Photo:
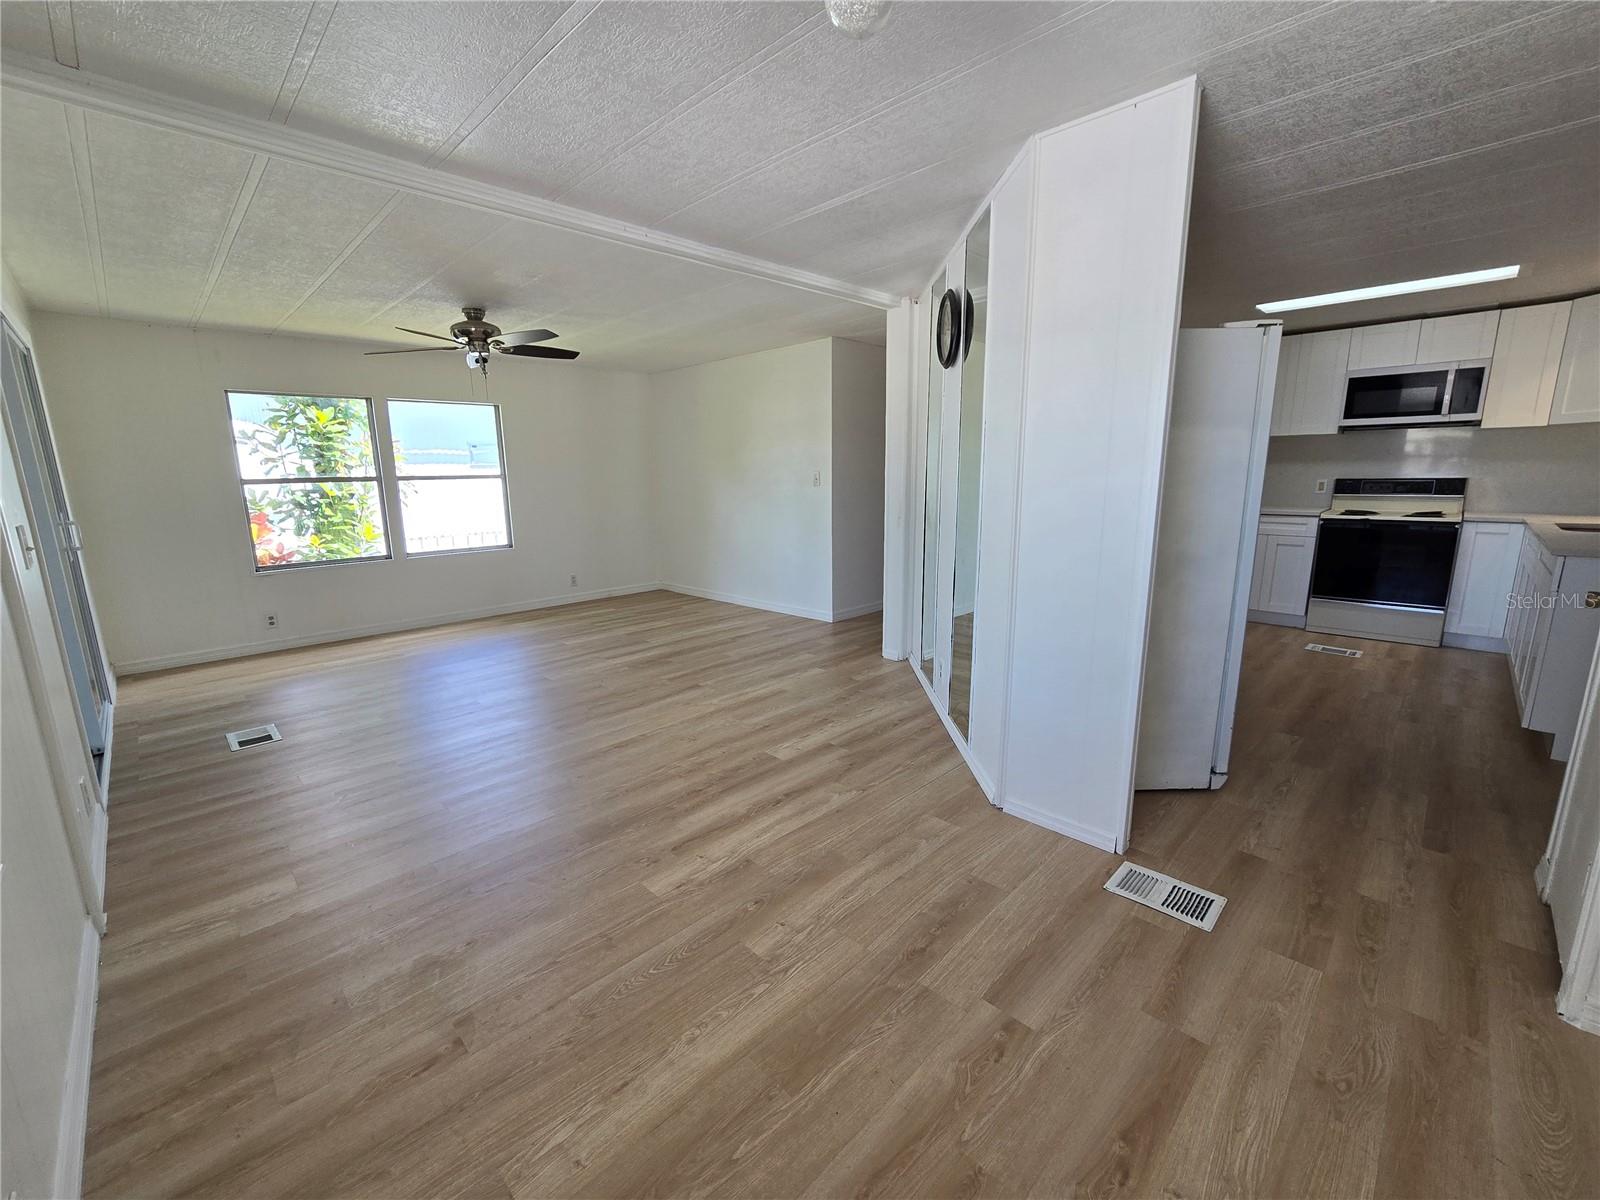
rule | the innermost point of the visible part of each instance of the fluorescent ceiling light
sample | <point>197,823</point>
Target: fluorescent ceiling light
<point>1391,289</point>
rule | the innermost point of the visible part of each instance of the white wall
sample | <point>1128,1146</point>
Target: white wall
<point>1101,333</point>
<point>858,478</point>
<point>743,459</point>
<point>142,429</point>
<point>50,947</point>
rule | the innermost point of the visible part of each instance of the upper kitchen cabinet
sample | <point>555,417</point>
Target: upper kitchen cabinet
<point>1527,359</point>
<point>1310,392</point>
<point>1454,339</point>
<point>1577,390</point>
<point>1391,345</point>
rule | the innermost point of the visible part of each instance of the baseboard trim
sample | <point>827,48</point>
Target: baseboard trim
<point>788,610</point>
<point>74,1117</point>
<point>1541,878</point>
<point>1469,641</point>
<point>857,610</point>
<point>246,649</point>
<point>1272,618</point>
<point>1586,1017</point>
<point>1061,825</point>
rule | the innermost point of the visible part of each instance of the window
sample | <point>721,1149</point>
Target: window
<point>310,480</point>
<point>452,475</point>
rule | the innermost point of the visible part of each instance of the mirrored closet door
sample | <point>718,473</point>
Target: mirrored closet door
<point>951,431</point>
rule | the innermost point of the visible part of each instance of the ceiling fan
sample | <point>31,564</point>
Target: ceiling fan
<point>479,339</point>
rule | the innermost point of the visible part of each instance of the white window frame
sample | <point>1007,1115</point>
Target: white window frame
<point>246,484</point>
<point>400,478</point>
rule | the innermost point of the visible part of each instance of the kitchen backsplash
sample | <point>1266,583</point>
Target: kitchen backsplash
<point>1539,469</point>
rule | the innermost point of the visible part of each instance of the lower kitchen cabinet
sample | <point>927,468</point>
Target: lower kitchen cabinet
<point>1485,571</point>
<point>1281,580</point>
<point>1550,638</point>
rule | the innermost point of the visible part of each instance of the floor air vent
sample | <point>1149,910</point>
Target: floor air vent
<point>1341,651</point>
<point>260,735</point>
<point>1191,905</point>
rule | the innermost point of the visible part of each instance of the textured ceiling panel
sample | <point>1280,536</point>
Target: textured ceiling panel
<point>415,240</point>
<point>234,54</point>
<point>1333,46</point>
<point>25,26</point>
<point>821,84</point>
<point>404,77</point>
<point>41,224</point>
<point>1464,130</point>
<point>1083,63</point>
<point>1339,144</point>
<point>298,220</point>
<point>1463,65</point>
<point>164,202</point>
<point>625,67</point>
<point>530,275</point>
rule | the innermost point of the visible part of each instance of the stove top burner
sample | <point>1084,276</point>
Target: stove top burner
<point>1432,512</point>
<point>1359,512</point>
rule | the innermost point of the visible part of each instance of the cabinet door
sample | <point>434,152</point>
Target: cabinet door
<point>1450,339</point>
<point>1258,571</point>
<point>1288,574</point>
<point>1392,345</point>
<point>1283,393</point>
<point>1527,357</point>
<point>1577,392</point>
<point>1319,394</point>
<point>1486,568</point>
<point>1541,601</point>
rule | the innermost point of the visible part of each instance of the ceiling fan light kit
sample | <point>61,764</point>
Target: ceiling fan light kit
<point>481,340</point>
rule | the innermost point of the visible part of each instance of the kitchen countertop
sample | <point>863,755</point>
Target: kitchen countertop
<point>1565,542</point>
<point>1568,543</point>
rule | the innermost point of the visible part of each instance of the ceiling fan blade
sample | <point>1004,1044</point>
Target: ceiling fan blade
<point>526,337</point>
<point>538,351</point>
<point>419,333</point>
<point>413,350</point>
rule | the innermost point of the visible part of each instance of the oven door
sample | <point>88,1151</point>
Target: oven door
<point>1384,561</point>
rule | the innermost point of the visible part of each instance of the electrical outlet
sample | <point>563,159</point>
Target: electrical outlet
<point>572,580</point>
<point>272,620</point>
<point>816,479</point>
<point>1322,485</point>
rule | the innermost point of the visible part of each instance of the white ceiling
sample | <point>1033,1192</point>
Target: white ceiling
<point>1340,145</point>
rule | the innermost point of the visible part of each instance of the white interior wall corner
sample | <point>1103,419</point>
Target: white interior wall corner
<point>899,477</point>
<point>1109,236</point>
<point>857,430</point>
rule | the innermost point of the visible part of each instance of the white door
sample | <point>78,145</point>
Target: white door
<point>47,539</point>
<point>1205,552</point>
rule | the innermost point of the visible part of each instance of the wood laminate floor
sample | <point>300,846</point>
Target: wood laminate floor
<point>660,896</point>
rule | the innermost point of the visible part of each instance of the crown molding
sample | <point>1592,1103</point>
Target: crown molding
<point>49,80</point>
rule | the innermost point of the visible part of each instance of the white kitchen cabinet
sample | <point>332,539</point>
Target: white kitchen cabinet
<point>1310,391</point>
<point>1391,345</point>
<point>1453,339</point>
<point>1485,571</point>
<point>1550,636</point>
<point>1283,395</point>
<point>1527,360</point>
<point>1577,390</point>
<point>1281,579</point>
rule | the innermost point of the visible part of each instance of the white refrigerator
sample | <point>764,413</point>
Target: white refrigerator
<point>1223,383</point>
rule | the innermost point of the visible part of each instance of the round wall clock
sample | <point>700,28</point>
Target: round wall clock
<point>947,330</point>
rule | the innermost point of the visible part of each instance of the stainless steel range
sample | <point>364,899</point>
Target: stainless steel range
<point>1385,552</point>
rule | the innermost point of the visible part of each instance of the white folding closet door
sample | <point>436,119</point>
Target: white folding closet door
<point>949,476</point>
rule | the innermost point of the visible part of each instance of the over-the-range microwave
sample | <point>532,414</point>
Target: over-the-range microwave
<point>1426,394</point>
